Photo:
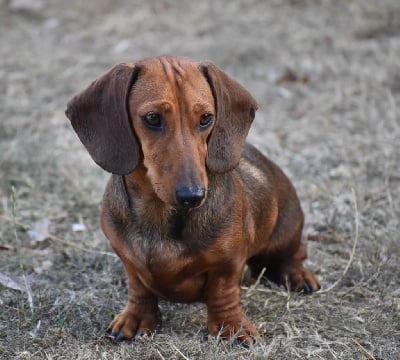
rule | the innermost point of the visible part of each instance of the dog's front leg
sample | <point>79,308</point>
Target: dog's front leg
<point>141,313</point>
<point>225,315</point>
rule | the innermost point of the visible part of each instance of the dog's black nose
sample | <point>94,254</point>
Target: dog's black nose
<point>190,197</point>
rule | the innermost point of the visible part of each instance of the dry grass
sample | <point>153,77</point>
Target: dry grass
<point>333,125</point>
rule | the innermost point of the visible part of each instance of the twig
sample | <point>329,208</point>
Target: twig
<point>353,251</point>
<point>179,352</point>
<point>57,239</point>
<point>14,221</point>
<point>158,352</point>
<point>254,286</point>
<point>70,244</point>
<point>364,350</point>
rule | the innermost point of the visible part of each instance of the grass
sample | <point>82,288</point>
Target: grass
<point>335,133</point>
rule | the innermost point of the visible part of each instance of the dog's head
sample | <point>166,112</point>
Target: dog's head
<point>178,118</point>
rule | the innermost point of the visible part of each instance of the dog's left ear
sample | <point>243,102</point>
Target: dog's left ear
<point>235,110</point>
<point>100,117</point>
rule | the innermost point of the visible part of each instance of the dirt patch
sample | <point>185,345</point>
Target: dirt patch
<point>333,125</point>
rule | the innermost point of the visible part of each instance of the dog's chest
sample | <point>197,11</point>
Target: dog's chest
<point>176,225</point>
<point>169,257</point>
<point>170,272</point>
<point>179,235</point>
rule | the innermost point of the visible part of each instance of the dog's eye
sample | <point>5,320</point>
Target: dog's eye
<point>152,120</point>
<point>206,120</point>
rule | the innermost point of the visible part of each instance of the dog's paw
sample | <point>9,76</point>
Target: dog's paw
<point>239,330</point>
<point>300,279</point>
<point>128,325</point>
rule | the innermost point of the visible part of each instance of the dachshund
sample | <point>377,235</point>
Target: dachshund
<point>189,202</point>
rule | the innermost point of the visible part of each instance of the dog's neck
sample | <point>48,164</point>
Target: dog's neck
<point>156,221</point>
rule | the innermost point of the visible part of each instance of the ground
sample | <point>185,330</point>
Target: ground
<point>326,75</point>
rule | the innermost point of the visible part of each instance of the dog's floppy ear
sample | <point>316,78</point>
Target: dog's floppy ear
<point>100,117</point>
<point>235,109</point>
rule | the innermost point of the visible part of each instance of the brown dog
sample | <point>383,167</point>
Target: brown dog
<point>189,204</point>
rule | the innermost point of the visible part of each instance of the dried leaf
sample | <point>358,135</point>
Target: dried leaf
<point>7,247</point>
<point>290,76</point>
<point>46,265</point>
<point>40,231</point>
<point>19,283</point>
<point>78,227</point>
<point>11,282</point>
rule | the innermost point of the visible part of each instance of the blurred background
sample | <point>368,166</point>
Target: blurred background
<point>326,75</point>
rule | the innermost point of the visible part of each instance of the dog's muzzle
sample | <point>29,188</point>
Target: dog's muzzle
<point>190,197</point>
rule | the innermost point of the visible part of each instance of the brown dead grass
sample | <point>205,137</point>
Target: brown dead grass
<point>334,132</point>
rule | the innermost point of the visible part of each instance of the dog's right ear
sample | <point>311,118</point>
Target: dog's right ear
<point>235,109</point>
<point>100,117</point>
